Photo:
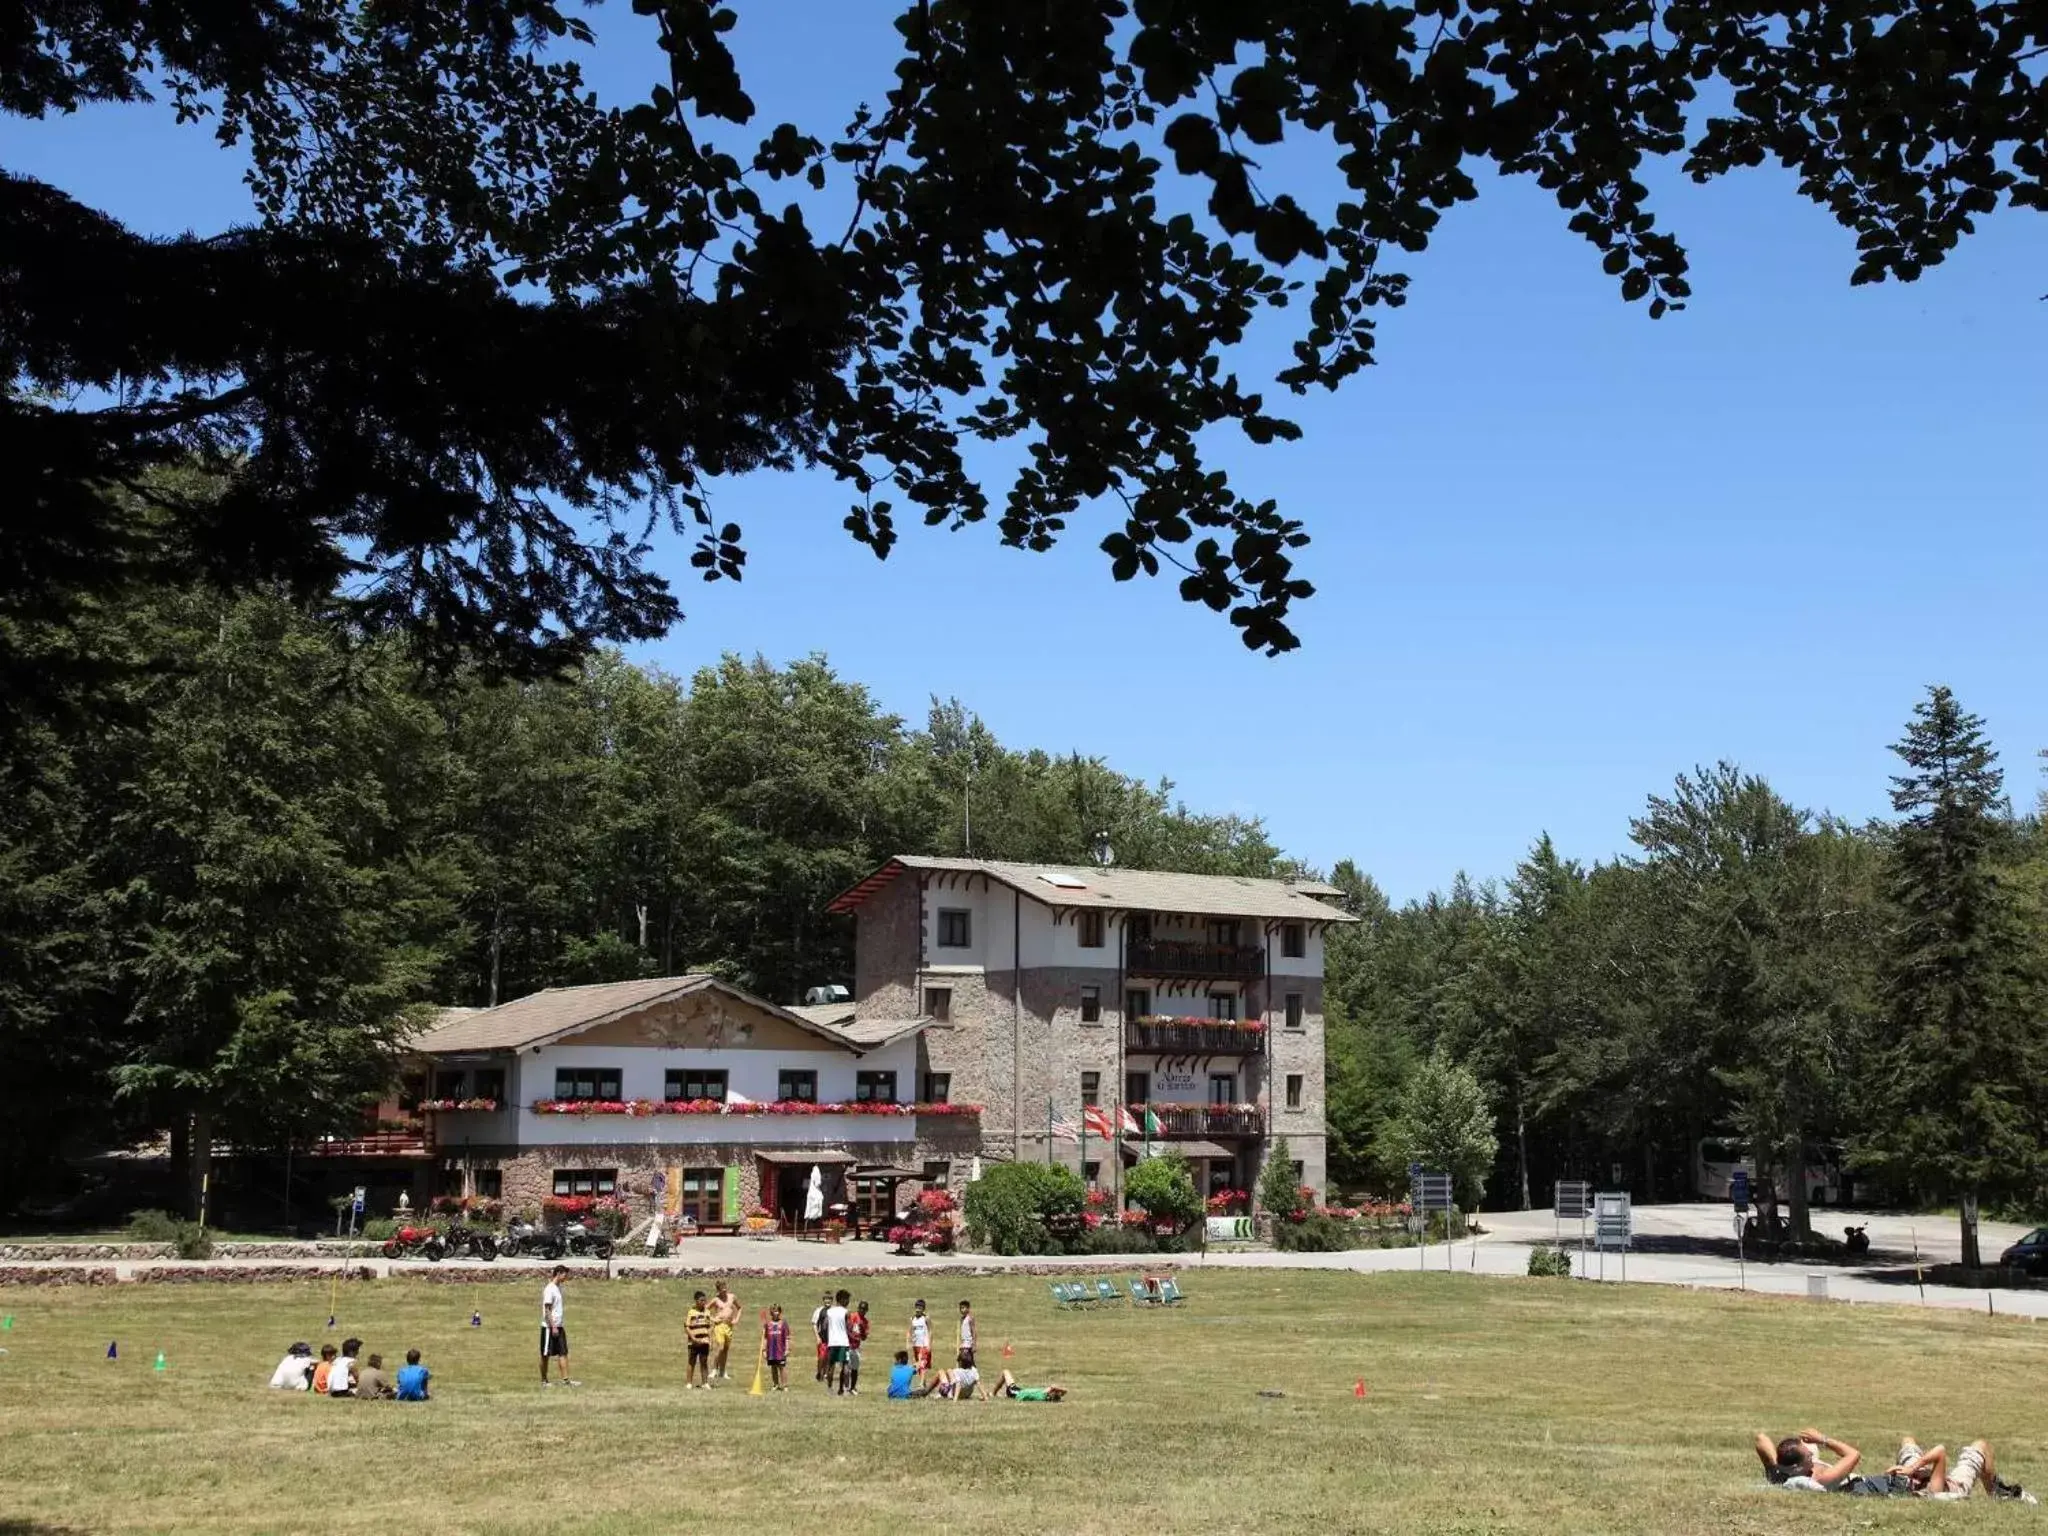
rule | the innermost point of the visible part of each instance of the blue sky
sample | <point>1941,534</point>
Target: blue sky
<point>1562,553</point>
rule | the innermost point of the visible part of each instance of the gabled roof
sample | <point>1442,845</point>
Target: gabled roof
<point>542,1017</point>
<point>866,1034</point>
<point>1123,890</point>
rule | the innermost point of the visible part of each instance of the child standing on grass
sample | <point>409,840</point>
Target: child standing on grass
<point>697,1329</point>
<point>775,1346</point>
<point>967,1335</point>
<point>920,1341</point>
<point>856,1335</point>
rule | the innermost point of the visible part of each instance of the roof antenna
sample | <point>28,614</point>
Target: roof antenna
<point>1104,854</point>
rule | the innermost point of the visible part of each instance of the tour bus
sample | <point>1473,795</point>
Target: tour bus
<point>1715,1159</point>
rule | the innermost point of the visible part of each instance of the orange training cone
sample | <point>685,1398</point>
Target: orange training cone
<point>1008,1353</point>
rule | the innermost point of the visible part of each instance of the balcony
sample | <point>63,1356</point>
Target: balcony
<point>1194,1037</point>
<point>1178,957</point>
<point>1187,1120</point>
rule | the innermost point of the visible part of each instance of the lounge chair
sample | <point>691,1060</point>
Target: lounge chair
<point>1107,1293</point>
<point>1063,1296</point>
<point>1140,1295</point>
<point>1169,1293</point>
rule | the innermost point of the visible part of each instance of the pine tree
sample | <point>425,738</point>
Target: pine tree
<point>1964,1056</point>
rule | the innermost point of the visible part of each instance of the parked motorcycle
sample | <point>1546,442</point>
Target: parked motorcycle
<point>463,1240</point>
<point>526,1239</point>
<point>587,1241</point>
<point>1857,1240</point>
<point>414,1243</point>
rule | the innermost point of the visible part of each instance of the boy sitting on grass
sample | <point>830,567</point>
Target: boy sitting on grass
<point>413,1378</point>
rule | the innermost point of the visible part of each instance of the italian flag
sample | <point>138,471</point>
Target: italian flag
<point>1150,1127</point>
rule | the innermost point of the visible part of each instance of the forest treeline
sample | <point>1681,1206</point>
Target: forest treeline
<point>252,839</point>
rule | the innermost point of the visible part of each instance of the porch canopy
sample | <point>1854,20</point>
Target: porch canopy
<point>1194,1151</point>
<point>803,1157</point>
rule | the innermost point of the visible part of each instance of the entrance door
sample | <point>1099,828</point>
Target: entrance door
<point>1222,1089</point>
<point>791,1184</point>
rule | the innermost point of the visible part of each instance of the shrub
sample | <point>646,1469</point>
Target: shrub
<point>1279,1196</point>
<point>1163,1187</point>
<point>1313,1233</point>
<point>1108,1239</point>
<point>153,1226</point>
<point>193,1241</point>
<point>378,1228</point>
<point>1009,1207</point>
<point>609,1215</point>
<point>1550,1262</point>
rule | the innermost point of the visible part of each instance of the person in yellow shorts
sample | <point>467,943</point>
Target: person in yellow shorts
<point>725,1316</point>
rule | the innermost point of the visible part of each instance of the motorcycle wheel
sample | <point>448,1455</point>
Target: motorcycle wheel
<point>486,1248</point>
<point>392,1250</point>
<point>436,1250</point>
<point>602,1248</point>
<point>553,1250</point>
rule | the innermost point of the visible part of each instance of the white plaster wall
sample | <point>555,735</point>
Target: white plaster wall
<point>751,1073</point>
<point>1193,1084</point>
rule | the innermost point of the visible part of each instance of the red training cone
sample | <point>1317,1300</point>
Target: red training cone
<point>1008,1353</point>
<point>1359,1390</point>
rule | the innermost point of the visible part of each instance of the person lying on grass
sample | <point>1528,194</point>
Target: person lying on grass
<point>1929,1475</point>
<point>1794,1456</point>
<point>1007,1386</point>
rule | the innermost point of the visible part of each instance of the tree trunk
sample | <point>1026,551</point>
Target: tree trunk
<point>1649,1173</point>
<point>497,946</point>
<point>1971,1258</point>
<point>1522,1145</point>
<point>198,1163</point>
<point>1795,1194</point>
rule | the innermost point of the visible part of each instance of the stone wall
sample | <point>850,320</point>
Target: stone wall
<point>1301,1051</point>
<point>888,946</point>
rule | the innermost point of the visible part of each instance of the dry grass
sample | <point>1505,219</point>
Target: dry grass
<point>1493,1406</point>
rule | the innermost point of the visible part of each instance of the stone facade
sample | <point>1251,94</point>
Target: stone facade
<point>886,960</point>
<point>528,1173</point>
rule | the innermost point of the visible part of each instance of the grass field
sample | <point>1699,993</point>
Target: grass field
<point>1492,1406</point>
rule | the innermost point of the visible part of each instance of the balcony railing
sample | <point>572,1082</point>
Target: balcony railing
<point>1193,1037</point>
<point>1208,1119</point>
<point>1178,957</point>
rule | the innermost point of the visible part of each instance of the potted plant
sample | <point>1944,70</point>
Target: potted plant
<point>835,1230</point>
<point>759,1223</point>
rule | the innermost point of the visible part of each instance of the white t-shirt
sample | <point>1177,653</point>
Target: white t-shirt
<point>551,1306</point>
<point>294,1373</point>
<point>342,1378</point>
<point>920,1333</point>
<point>835,1327</point>
<point>967,1331</point>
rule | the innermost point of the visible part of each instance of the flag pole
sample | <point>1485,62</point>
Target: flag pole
<point>1048,1130</point>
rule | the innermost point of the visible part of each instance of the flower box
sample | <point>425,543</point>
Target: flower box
<point>649,1107</point>
<point>480,1106</point>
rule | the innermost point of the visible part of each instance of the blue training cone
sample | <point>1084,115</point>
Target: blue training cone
<point>476,1319</point>
<point>330,1319</point>
<point>113,1350</point>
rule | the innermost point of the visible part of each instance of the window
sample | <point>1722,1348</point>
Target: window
<point>1222,1005</point>
<point>1138,926</point>
<point>1223,932</point>
<point>938,1087</point>
<point>1092,1172</point>
<point>1137,1087</point>
<point>937,1175</point>
<point>693,1083</point>
<point>1137,1003</point>
<point>586,1083</point>
<point>586,1181</point>
<point>872,1200</point>
<point>490,1183</point>
<point>1294,1010</point>
<point>1090,924</point>
<point>1300,1173</point>
<point>1294,1090</point>
<point>796,1087</point>
<point>1293,940</point>
<point>703,1197</point>
<point>938,1002</point>
<point>448,1179</point>
<point>1091,1005</point>
<point>490,1084</point>
<point>956,928</point>
<point>1091,1088</point>
<point>1222,1087</point>
<point>874,1087</point>
<point>451,1085</point>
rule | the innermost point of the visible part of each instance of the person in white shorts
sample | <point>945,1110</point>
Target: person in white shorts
<point>1932,1476</point>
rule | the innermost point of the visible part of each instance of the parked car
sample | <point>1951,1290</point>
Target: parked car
<point>2029,1255</point>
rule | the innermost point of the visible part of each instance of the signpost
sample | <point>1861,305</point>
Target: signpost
<point>1613,1225</point>
<point>1430,1192</point>
<point>355,1209</point>
<point>1572,1201</point>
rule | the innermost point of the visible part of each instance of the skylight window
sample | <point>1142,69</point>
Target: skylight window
<point>1063,881</point>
